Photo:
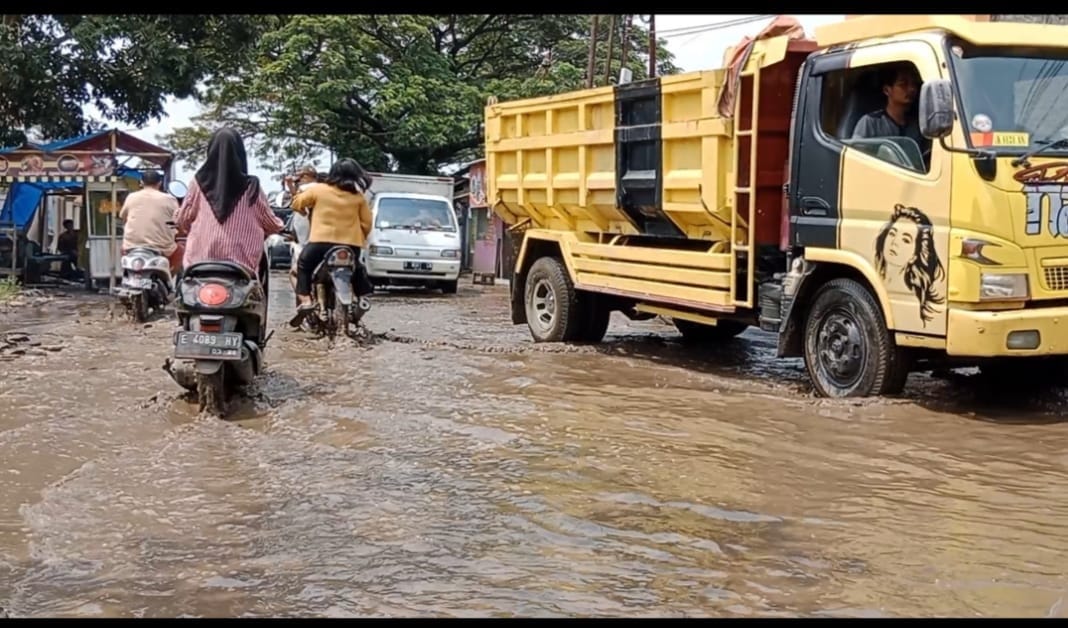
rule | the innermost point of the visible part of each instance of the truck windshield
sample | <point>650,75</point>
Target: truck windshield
<point>414,213</point>
<point>1013,98</point>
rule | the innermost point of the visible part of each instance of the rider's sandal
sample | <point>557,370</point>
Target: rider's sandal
<point>302,313</point>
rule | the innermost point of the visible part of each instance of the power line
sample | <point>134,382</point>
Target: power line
<point>706,28</point>
<point>723,23</point>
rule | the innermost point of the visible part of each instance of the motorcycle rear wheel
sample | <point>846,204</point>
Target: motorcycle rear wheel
<point>211,392</point>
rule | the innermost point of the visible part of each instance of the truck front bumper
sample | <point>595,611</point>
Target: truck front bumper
<point>1034,332</point>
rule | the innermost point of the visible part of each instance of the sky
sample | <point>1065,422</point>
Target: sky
<point>692,50</point>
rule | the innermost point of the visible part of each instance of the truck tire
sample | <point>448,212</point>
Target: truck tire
<point>551,301</point>
<point>699,333</point>
<point>849,352</point>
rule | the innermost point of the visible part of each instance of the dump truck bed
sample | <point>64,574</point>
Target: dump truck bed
<point>652,158</point>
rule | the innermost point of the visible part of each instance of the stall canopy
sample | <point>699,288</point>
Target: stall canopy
<point>34,169</point>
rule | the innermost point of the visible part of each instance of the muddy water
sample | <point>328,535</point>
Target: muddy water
<point>457,470</point>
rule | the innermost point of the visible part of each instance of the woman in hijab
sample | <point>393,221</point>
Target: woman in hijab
<point>340,216</point>
<point>225,212</point>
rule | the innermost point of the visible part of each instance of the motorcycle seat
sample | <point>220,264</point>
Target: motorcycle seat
<point>226,269</point>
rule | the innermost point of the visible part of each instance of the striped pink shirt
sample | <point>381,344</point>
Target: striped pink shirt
<point>240,239</point>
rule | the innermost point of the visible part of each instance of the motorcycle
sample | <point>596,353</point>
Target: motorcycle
<point>336,307</point>
<point>222,314</point>
<point>147,284</point>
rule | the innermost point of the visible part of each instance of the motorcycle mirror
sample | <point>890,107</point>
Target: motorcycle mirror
<point>177,189</point>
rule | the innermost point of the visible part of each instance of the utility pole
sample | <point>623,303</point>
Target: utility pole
<point>625,48</point>
<point>592,56</point>
<point>611,36</point>
<point>652,46</point>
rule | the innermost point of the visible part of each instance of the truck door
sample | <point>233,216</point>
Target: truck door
<point>880,203</point>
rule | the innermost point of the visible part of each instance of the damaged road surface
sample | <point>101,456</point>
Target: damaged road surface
<point>456,469</point>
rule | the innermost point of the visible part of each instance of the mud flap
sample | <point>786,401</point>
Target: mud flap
<point>342,285</point>
<point>208,367</point>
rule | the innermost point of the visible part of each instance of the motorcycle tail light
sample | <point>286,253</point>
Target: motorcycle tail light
<point>341,256</point>
<point>213,294</point>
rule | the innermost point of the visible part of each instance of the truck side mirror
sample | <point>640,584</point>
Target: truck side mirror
<point>936,109</point>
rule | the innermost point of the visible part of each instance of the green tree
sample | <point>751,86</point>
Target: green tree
<point>398,92</point>
<point>126,65</point>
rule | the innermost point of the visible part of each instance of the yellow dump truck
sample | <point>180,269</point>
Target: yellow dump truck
<point>869,257</point>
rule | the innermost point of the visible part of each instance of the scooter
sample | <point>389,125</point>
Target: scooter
<point>147,284</point>
<point>222,313</point>
<point>336,307</point>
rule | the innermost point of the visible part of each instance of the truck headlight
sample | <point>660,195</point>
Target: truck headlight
<point>381,250</point>
<point>450,253</point>
<point>1003,287</point>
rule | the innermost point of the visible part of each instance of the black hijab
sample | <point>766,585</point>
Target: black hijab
<point>224,177</point>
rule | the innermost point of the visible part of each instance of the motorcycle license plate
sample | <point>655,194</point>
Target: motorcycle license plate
<point>137,282</point>
<point>198,345</point>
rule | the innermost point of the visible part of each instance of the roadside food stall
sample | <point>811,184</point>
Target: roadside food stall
<point>98,170</point>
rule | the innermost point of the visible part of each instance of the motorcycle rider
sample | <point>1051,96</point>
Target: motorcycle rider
<point>342,218</point>
<point>298,222</point>
<point>225,212</point>
<point>145,215</point>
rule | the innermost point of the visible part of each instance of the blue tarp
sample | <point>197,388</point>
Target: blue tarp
<point>23,198</point>
<point>54,146</point>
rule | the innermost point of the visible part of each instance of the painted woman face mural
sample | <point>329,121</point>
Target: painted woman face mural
<point>905,257</point>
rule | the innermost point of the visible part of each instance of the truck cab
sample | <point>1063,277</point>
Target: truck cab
<point>868,256</point>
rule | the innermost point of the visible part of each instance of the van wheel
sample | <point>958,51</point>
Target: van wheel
<point>449,287</point>
<point>849,352</point>
<point>699,333</point>
<point>551,302</point>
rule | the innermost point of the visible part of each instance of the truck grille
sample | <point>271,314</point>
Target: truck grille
<point>1056,278</point>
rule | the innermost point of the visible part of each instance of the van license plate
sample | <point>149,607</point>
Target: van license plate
<point>419,266</point>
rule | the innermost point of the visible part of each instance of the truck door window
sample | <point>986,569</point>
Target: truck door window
<point>852,94</point>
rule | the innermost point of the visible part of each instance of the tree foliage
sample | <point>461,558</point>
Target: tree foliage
<point>404,92</point>
<point>125,65</point>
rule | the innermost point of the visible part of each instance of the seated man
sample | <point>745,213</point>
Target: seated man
<point>67,246</point>
<point>146,214</point>
<point>900,85</point>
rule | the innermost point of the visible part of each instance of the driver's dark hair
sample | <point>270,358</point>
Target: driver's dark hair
<point>889,73</point>
<point>349,176</point>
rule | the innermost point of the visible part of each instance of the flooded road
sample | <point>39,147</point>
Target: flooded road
<point>455,469</point>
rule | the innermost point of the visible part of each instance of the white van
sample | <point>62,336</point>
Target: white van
<point>415,239</point>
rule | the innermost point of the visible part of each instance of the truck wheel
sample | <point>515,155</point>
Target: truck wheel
<point>849,352</point>
<point>699,333</point>
<point>551,302</point>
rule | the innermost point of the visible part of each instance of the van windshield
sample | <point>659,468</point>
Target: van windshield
<point>1013,98</point>
<point>414,213</point>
